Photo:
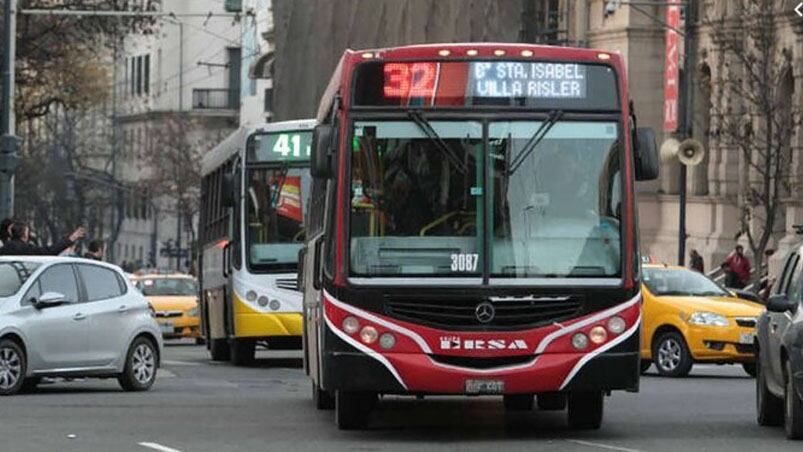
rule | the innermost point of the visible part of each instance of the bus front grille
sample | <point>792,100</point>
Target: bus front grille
<point>461,313</point>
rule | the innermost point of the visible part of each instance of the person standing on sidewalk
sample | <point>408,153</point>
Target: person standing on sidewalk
<point>737,267</point>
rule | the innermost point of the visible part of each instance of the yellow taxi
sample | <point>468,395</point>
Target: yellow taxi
<point>174,298</point>
<point>687,318</point>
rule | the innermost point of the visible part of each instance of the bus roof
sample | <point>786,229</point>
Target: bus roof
<point>235,142</point>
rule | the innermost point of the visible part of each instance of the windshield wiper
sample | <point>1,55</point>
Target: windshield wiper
<point>421,121</point>
<point>535,140</point>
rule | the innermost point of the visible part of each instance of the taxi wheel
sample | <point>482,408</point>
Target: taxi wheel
<point>793,416</point>
<point>585,410</point>
<point>769,409</point>
<point>671,355</point>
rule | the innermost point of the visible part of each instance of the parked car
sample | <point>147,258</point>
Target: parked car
<point>69,317</point>
<point>174,298</point>
<point>688,318</point>
<point>779,386</point>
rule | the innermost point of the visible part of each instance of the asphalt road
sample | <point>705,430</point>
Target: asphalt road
<point>199,406</point>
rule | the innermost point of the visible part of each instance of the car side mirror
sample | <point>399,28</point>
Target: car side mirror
<point>49,300</point>
<point>647,165</point>
<point>321,158</point>
<point>780,303</point>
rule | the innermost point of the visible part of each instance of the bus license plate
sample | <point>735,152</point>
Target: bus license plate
<point>746,338</point>
<point>485,386</point>
<point>167,327</point>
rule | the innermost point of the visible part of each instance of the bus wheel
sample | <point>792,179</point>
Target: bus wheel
<point>518,402</point>
<point>585,410</point>
<point>353,409</point>
<point>552,401</point>
<point>322,398</point>
<point>242,351</point>
<point>219,349</point>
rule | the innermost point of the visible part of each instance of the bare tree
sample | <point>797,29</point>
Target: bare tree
<point>756,117</point>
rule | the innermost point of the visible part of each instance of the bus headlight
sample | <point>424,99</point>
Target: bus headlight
<point>598,335</point>
<point>251,296</point>
<point>616,325</point>
<point>275,304</point>
<point>708,319</point>
<point>579,341</point>
<point>351,325</point>
<point>368,334</point>
<point>263,301</point>
<point>387,341</point>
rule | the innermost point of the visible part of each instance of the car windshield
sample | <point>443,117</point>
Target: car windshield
<point>419,197</point>
<point>677,281</point>
<point>13,276</point>
<point>416,198</point>
<point>168,287</point>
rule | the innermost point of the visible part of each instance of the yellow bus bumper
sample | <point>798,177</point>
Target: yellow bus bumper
<point>249,322</point>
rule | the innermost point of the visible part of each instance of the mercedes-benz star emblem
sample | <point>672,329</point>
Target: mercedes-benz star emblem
<point>485,312</point>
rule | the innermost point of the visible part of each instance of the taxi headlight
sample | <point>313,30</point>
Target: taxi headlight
<point>193,312</point>
<point>708,319</point>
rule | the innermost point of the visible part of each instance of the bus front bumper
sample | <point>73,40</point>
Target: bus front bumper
<point>407,373</point>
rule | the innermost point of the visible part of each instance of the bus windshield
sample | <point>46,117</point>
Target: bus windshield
<point>419,197</point>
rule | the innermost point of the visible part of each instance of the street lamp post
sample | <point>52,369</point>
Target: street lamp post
<point>9,142</point>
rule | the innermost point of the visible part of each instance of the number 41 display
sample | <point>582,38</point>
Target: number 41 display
<point>287,145</point>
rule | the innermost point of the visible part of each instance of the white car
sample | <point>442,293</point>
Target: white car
<point>69,317</point>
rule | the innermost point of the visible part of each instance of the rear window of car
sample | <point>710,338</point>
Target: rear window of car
<point>13,276</point>
<point>167,287</point>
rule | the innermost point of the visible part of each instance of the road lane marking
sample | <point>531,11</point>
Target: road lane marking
<point>179,363</point>
<point>601,446</point>
<point>159,447</point>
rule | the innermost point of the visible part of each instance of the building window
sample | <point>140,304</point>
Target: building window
<point>133,76</point>
<point>139,75</point>
<point>268,100</point>
<point>147,80</point>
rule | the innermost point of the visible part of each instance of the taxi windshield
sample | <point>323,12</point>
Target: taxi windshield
<point>671,281</point>
<point>176,287</point>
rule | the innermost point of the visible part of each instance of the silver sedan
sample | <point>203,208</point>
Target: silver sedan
<point>68,317</point>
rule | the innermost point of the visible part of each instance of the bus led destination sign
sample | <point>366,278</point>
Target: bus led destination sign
<point>532,80</point>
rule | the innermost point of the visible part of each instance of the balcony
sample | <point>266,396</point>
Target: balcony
<point>215,99</point>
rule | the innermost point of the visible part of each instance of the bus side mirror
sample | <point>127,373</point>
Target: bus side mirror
<point>647,165</point>
<point>227,190</point>
<point>780,303</point>
<point>321,158</point>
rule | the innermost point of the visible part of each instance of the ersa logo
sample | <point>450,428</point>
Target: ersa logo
<point>457,343</point>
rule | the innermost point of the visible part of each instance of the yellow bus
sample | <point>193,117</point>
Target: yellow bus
<point>254,191</point>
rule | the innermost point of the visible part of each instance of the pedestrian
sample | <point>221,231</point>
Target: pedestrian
<point>5,229</point>
<point>696,261</point>
<point>19,243</point>
<point>737,268</point>
<point>95,250</point>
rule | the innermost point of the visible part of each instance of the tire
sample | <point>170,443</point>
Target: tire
<point>219,349</point>
<point>323,399</point>
<point>793,406</point>
<point>552,401</point>
<point>13,366</point>
<point>353,409</point>
<point>141,365</point>
<point>645,366</point>
<point>518,402</point>
<point>671,355</point>
<point>750,369</point>
<point>242,352</point>
<point>585,410</point>
<point>769,409</point>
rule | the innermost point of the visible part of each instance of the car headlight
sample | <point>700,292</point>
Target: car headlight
<point>193,312</point>
<point>708,318</point>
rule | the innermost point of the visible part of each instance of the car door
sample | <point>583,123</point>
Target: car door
<point>58,336</point>
<point>779,322</point>
<point>109,313</point>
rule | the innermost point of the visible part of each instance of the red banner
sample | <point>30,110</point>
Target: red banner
<point>671,77</point>
<point>289,204</point>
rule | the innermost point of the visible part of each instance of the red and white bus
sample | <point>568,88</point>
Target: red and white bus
<point>472,229</point>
